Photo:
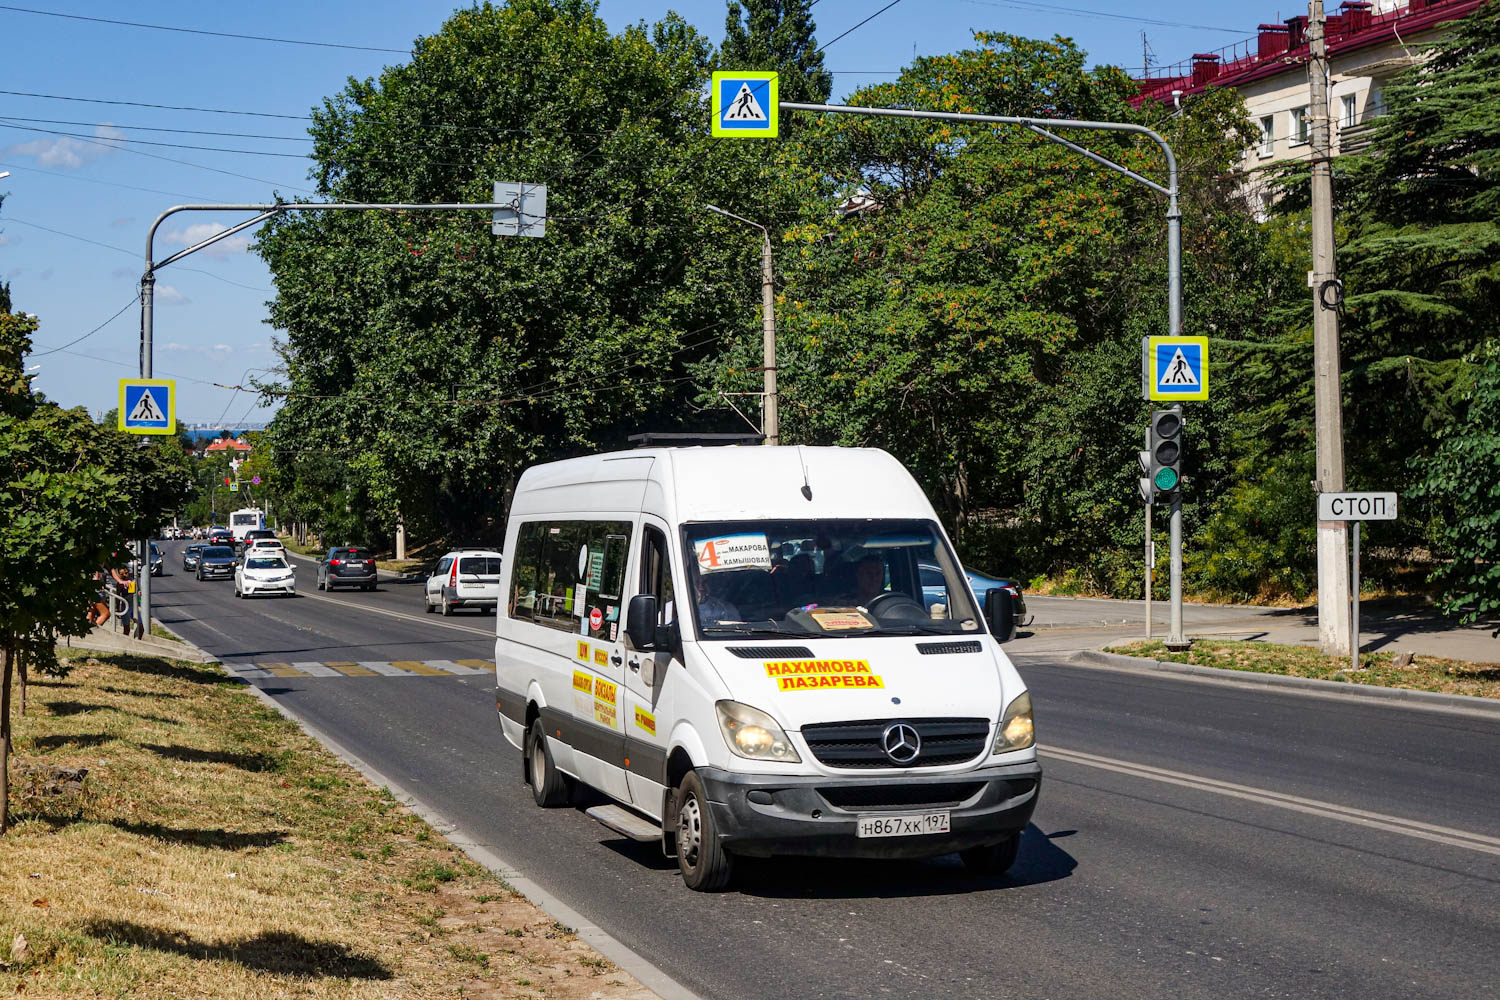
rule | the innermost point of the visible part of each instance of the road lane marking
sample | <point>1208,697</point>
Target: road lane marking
<point>424,619</point>
<point>483,667</point>
<point>282,670</point>
<point>1359,817</point>
<point>383,668</point>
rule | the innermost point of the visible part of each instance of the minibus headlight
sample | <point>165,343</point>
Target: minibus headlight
<point>754,734</point>
<point>1017,729</point>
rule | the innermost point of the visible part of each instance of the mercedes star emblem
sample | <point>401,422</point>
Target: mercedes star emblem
<point>901,743</point>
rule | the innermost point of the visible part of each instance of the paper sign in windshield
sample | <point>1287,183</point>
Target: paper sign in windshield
<point>715,555</point>
<point>814,675</point>
<point>840,619</point>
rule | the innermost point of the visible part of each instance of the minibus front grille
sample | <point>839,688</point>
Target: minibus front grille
<point>859,744</point>
<point>772,652</point>
<point>889,795</point>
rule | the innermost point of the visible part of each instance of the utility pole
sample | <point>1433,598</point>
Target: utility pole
<point>768,341</point>
<point>1333,538</point>
<point>770,412</point>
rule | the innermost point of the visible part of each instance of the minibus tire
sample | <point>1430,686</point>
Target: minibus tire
<point>705,865</point>
<point>549,786</point>
<point>994,859</point>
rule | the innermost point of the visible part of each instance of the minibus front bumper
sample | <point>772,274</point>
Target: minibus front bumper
<point>763,815</point>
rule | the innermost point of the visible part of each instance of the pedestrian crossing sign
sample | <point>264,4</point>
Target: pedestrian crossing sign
<point>148,406</point>
<point>745,105</point>
<point>1179,367</point>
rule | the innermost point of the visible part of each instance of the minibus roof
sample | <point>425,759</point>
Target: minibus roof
<point>727,484</point>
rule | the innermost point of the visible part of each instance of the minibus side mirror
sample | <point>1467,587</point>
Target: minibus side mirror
<point>1000,613</point>
<point>640,622</point>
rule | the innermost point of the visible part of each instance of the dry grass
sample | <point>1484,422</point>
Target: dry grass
<point>1425,673</point>
<point>217,851</point>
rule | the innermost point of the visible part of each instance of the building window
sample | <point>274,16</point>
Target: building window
<point>1346,112</point>
<point>1268,136</point>
<point>1299,126</point>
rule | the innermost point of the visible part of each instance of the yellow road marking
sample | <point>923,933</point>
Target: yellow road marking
<point>477,664</point>
<point>418,667</point>
<point>350,669</point>
<point>281,670</point>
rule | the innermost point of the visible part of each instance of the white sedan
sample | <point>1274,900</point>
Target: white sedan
<point>264,574</point>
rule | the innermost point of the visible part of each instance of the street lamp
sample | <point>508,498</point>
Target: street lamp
<point>771,424</point>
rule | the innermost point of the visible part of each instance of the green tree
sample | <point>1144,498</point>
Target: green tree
<point>430,362</point>
<point>73,492</point>
<point>777,35</point>
<point>1462,479</point>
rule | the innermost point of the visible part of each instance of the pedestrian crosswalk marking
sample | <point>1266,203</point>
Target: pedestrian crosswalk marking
<point>363,668</point>
<point>1178,371</point>
<point>418,667</point>
<point>351,669</point>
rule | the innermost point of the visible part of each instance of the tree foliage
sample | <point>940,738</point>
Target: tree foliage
<point>777,35</point>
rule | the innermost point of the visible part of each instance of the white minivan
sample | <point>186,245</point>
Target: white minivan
<point>734,644</point>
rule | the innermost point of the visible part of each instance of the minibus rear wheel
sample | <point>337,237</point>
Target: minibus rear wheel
<point>705,865</point>
<point>549,786</point>
<point>994,859</point>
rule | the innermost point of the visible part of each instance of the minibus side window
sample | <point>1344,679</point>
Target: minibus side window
<point>656,572</point>
<point>523,577</point>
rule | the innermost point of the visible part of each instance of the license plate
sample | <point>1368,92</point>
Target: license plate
<point>908,825</point>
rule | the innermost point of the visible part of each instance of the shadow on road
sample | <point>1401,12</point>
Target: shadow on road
<point>1040,861</point>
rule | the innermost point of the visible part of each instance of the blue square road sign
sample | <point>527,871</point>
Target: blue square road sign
<point>148,406</point>
<point>745,105</point>
<point>1178,367</point>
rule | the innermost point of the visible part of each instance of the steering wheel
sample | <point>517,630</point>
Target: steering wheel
<point>896,606</point>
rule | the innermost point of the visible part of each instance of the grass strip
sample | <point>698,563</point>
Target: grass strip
<point>1423,673</point>
<point>214,849</point>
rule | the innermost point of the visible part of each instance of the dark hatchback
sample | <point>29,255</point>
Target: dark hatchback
<point>190,555</point>
<point>347,567</point>
<point>216,562</point>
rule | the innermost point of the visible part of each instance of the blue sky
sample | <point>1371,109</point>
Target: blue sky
<point>79,202</point>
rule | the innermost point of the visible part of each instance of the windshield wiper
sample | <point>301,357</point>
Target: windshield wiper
<point>750,630</point>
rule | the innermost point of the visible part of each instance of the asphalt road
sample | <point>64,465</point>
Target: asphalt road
<point>1192,840</point>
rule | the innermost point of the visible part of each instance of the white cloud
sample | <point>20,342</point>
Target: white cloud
<point>225,348</point>
<point>167,295</point>
<point>66,151</point>
<point>4,240</point>
<point>203,230</point>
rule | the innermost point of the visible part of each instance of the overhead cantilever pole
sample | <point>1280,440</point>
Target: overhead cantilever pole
<point>148,285</point>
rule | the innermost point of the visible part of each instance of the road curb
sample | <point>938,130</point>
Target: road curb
<point>600,940</point>
<point>1426,700</point>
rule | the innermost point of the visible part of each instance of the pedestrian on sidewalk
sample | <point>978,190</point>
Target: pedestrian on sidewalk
<point>125,586</point>
<point>98,611</point>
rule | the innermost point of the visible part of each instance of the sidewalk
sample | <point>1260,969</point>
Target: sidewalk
<point>1064,624</point>
<point>112,640</point>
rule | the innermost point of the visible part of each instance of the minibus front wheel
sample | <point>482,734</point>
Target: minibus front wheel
<point>705,865</point>
<point>992,859</point>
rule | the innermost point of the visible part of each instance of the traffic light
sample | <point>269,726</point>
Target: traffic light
<point>1164,447</point>
<point>226,480</point>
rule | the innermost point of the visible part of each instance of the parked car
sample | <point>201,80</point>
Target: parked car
<point>981,584</point>
<point>464,578</point>
<point>216,562</point>
<point>347,566</point>
<point>264,573</point>
<point>190,555</point>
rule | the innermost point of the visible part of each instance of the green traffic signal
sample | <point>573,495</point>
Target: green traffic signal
<point>1166,479</point>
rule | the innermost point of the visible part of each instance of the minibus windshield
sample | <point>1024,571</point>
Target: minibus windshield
<point>825,578</point>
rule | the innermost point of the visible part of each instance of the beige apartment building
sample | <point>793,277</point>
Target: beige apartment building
<point>1368,43</point>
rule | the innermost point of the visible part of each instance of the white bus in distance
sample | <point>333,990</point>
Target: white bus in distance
<point>246,519</point>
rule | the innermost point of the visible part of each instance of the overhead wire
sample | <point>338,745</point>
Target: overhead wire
<point>86,336</point>
<point>200,31</point>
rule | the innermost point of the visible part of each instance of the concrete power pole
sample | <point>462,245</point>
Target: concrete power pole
<point>1333,538</point>
<point>768,337</point>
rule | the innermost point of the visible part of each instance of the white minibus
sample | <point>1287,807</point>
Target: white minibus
<point>736,646</point>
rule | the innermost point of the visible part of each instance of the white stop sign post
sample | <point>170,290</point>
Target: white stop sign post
<point>1356,507</point>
